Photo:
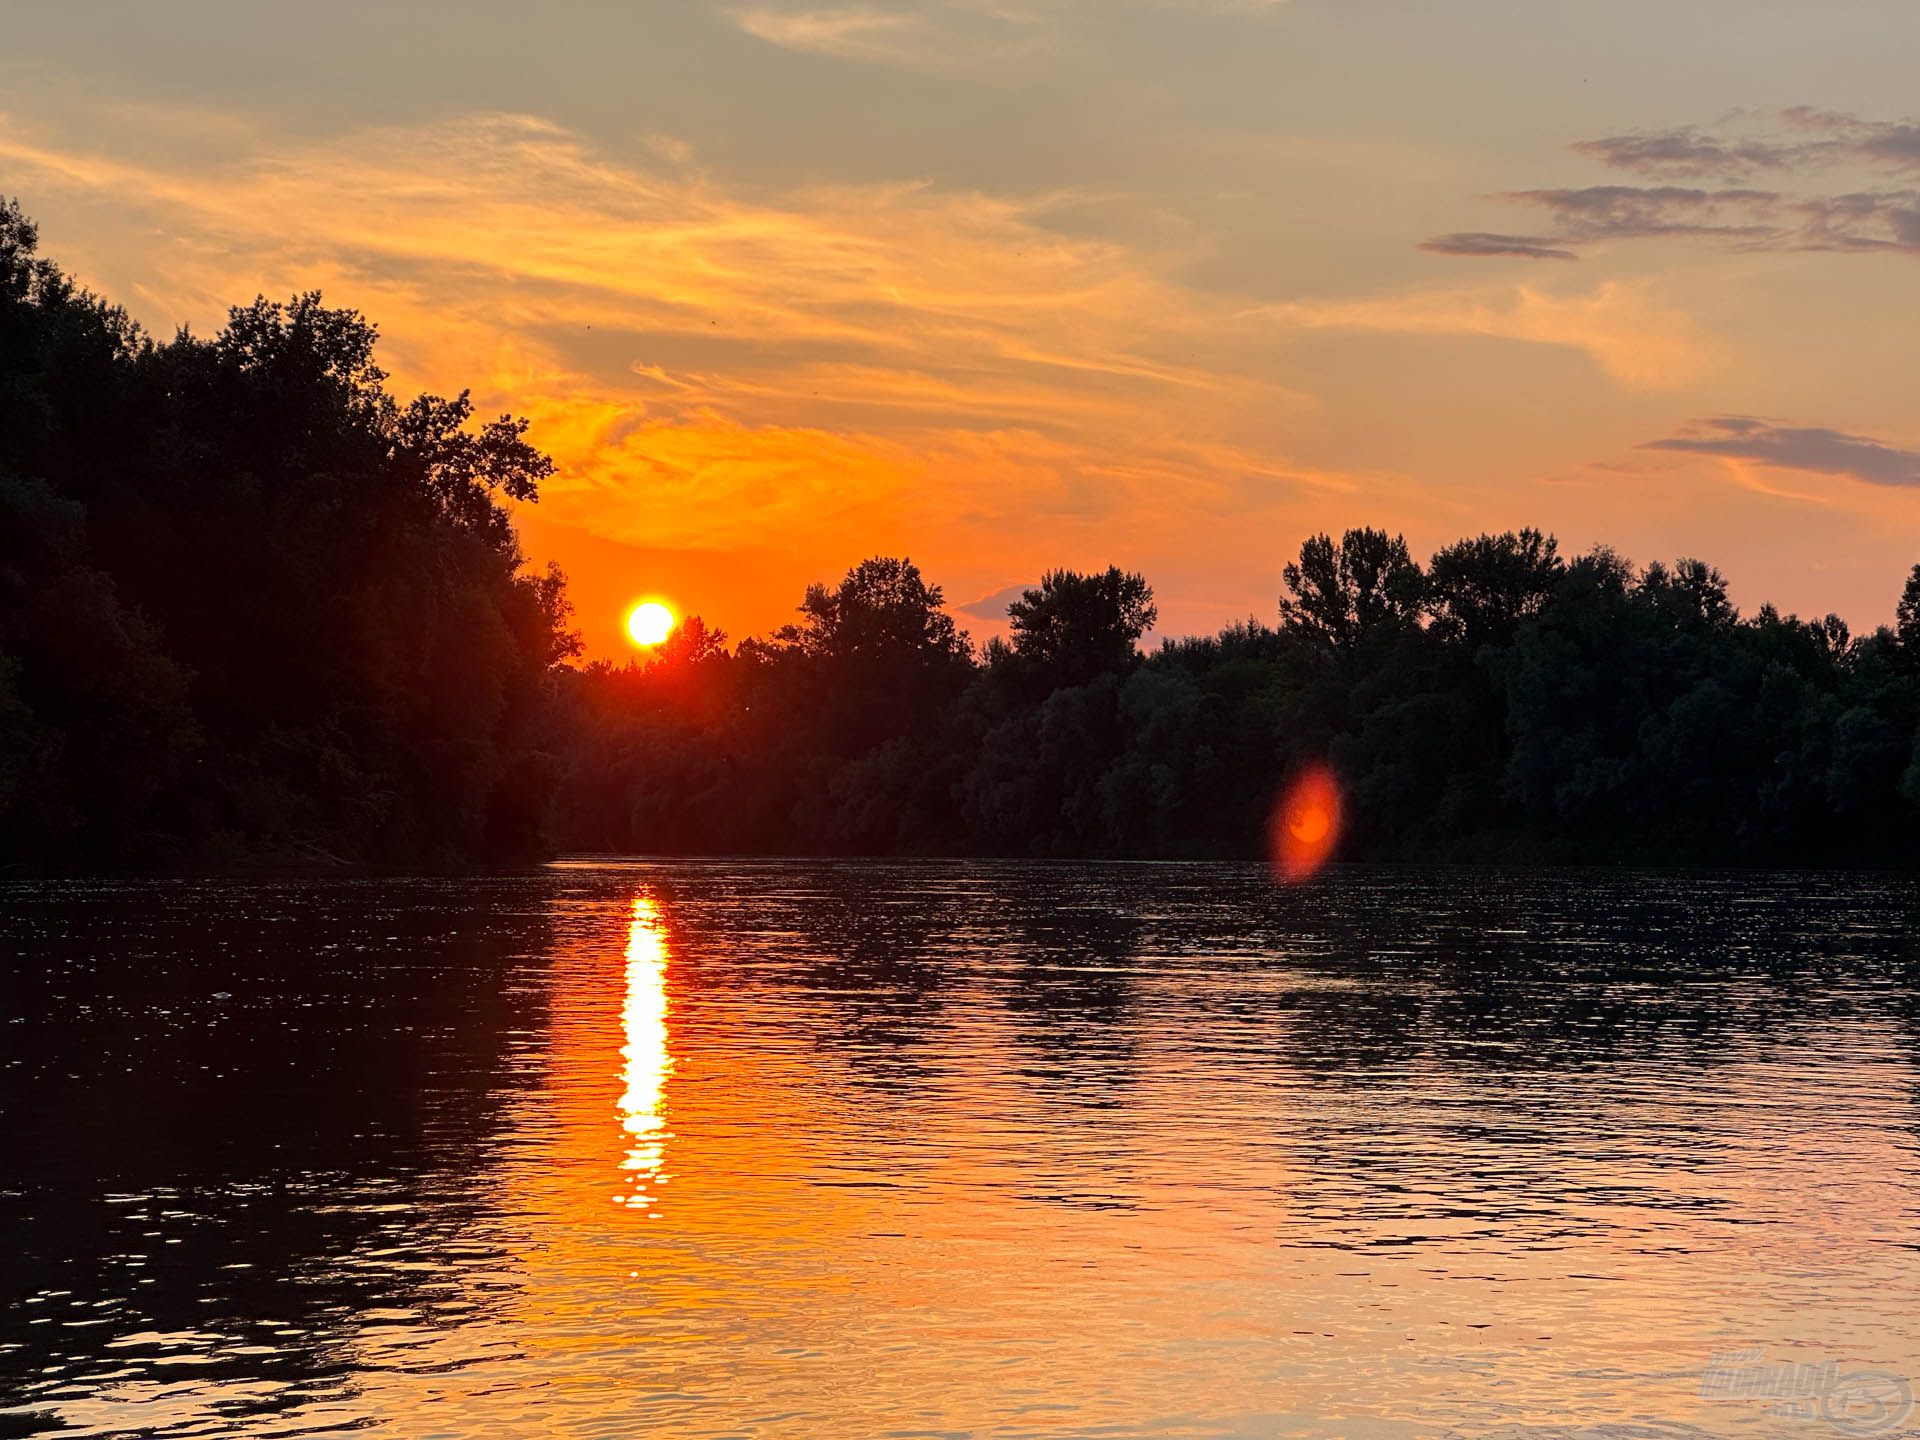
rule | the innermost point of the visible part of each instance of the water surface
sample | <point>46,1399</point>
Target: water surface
<point>821,1150</point>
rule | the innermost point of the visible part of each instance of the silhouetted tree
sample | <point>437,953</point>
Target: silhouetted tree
<point>1479,590</point>
<point>885,656</point>
<point>293,615</point>
<point>1556,710</point>
<point>1353,592</point>
<point>1074,627</point>
<point>883,612</point>
<point>252,604</point>
<point>1907,618</point>
<point>691,643</point>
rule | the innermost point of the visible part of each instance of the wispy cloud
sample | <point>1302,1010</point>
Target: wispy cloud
<point>1484,242</point>
<point>720,369</point>
<point>993,606</point>
<point>1814,449</point>
<point>851,33</point>
<point>1688,152</point>
<point>712,369</point>
<point>1793,145</point>
<point>1618,212</point>
<point>709,367</point>
<point>941,34</point>
<point>1641,343</point>
<point>1796,138</point>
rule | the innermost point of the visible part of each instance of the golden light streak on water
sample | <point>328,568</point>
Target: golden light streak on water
<point>645,1055</point>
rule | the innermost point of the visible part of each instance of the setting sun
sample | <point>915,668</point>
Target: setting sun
<point>651,623</point>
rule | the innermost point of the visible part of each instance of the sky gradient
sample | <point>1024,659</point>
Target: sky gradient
<point>1166,283</point>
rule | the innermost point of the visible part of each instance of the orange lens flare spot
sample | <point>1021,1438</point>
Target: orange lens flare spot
<point>649,624</point>
<point>1306,825</point>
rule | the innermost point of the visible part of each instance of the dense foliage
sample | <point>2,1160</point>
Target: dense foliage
<point>1501,702</point>
<point>250,603</point>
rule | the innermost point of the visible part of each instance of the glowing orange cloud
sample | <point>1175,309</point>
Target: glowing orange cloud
<point>822,374</point>
<point>747,390</point>
<point>1641,343</point>
<point>1306,825</point>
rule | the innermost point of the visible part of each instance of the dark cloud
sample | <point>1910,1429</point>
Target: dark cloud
<point>1814,138</point>
<point>1870,220</point>
<point>1791,143</point>
<point>1624,212</point>
<point>1483,242</point>
<point>1895,145</point>
<point>1891,144</point>
<point>1687,151</point>
<point>1790,447</point>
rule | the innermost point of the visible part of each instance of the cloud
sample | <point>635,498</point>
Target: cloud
<point>817,370</point>
<point>1615,212</point>
<point>1818,450</point>
<point>1867,218</point>
<point>1483,242</point>
<point>1688,151</point>
<point>887,36</point>
<point>943,34</point>
<point>994,606</point>
<point>1889,144</point>
<point>1866,221</point>
<point>712,368</point>
<point>1795,139</point>
<point>1640,343</point>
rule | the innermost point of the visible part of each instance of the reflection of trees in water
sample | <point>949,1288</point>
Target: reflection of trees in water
<point>1069,992</point>
<point>1340,982</point>
<point>887,947</point>
<point>871,946</point>
<point>1072,986</point>
<point>1579,970</point>
<point>911,972</point>
<point>251,1121</point>
<point>1373,968</point>
<point>1505,991</point>
<point>1521,1055</point>
<point>334,1121</point>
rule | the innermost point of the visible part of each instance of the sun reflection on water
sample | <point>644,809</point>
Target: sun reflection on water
<point>647,1061</point>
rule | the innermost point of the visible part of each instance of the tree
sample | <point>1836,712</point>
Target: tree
<point>692,642</point>
<point>1074,626</point>
<point>1479,590</point>
<point>257,546</point>
<point>1350,594</point>
<point>1692,594</point>
<point>878,658</point>
<point>252,603</point>
<point>883,613</point>
<point>1907,619</point>
<point>94,723</point>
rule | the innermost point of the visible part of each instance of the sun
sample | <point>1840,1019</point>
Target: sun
<point>650,623</point>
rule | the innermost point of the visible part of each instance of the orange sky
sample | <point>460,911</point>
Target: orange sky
<point>1004,288</point>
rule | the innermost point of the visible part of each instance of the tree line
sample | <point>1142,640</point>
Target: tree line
<point>253,605</point>
<point>1502,702</point>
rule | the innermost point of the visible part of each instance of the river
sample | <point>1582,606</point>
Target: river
<point>784,1149</point>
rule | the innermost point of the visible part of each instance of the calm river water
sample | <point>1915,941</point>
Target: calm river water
<point>942,1150</point>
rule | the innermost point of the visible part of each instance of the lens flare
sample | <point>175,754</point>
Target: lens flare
<point>1306,825</point>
